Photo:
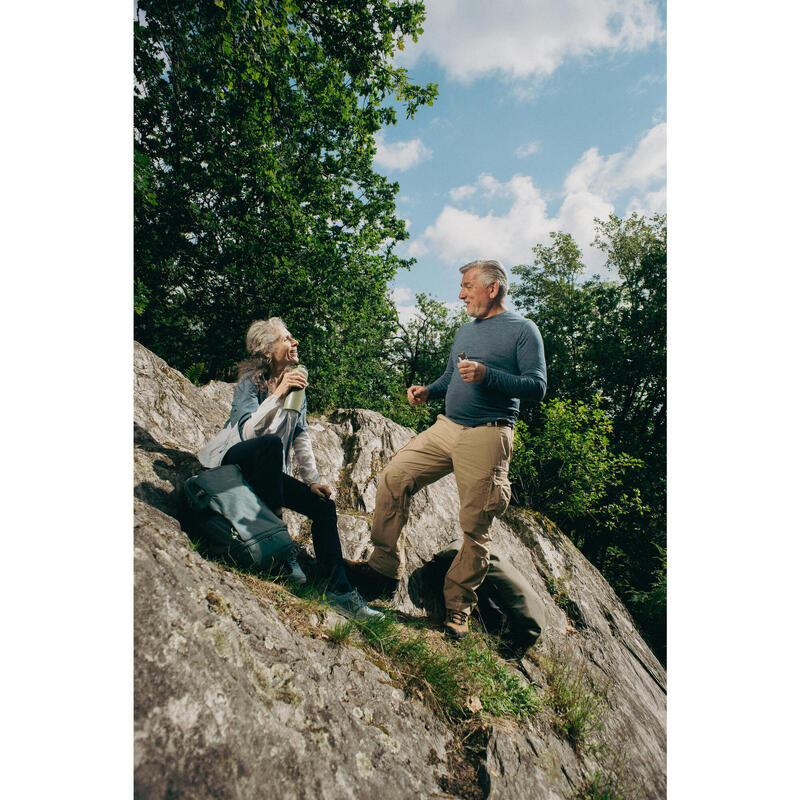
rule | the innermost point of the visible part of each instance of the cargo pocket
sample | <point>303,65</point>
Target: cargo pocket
<point>499,492</point>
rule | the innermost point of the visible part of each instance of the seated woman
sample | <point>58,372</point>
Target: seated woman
<point>257,437</point>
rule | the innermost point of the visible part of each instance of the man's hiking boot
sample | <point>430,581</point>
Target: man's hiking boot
<point>455,625</point>
<point>352,605</point>
<point>369,581</point>
<point>293,570</point>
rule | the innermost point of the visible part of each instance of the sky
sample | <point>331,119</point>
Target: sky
<point>550,113</point>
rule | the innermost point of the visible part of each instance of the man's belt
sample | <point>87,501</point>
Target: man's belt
<point>498,423</point>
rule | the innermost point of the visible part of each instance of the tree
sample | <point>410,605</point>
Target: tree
<point>610,337</point>
<point>253,184</point>
<point>419,352</point>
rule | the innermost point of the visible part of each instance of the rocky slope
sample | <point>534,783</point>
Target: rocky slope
<point>234,699</point>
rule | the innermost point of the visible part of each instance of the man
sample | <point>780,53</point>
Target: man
<point>496,359</point>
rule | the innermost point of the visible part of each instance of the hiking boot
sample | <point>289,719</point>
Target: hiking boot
<point>371,583</point>
<point>293,570</point>
<point>352,605</point>
<point>455,625</point>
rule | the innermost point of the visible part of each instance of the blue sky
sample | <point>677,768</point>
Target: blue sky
<point>550,112</point>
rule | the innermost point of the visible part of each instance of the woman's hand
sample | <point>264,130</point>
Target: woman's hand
<point>321,490</point>
<point>290,380</point>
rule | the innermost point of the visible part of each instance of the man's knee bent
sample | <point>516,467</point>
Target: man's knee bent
<point>395,484</point>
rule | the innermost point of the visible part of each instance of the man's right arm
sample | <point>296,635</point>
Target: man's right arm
<point>417,395</point>
<point>439,387</point>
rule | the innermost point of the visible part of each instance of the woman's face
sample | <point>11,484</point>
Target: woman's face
<point>284,352</point>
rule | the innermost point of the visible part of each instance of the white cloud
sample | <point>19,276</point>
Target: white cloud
<point>590,190</point>
<point>400,155</point>
<point>611,175</point>
<point>462,192</point>
<point>405,302</point>
<point>651,203</point>
<point>402,294</point>
<point>528,149</point>
<point>470,38</point>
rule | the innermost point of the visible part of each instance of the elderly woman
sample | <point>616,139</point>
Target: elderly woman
<point>257,437</point>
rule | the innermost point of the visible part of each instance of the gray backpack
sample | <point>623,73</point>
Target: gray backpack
<point>230,522</point>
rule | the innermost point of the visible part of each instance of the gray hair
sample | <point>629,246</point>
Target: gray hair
<point>262,335</point>
<point>490,271</point>
<point>260,339</point>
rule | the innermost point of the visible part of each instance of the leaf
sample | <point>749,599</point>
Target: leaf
<point>474,704</point>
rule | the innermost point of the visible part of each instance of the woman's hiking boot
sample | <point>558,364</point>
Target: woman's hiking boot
<point>352,605</point>
<point>371,583</point>
<point>293,570</point>
<point>455,625</point>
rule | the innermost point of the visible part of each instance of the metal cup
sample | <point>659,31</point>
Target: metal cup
<point>294,400</point>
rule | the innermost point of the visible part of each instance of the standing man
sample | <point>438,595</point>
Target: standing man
<point>496,359</point>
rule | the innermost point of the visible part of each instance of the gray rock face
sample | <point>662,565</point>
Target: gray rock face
<point>232,700</point>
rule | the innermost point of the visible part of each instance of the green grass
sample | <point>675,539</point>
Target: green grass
<point>601,787</point>
<point>341,632</point>
<point>575,697</point>
<point>448,676</point>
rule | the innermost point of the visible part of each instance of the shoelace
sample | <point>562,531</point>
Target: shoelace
<point>459,617</point>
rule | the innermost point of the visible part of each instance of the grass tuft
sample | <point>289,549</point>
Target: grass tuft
<point>449,676</point>
<point>576,697</point>
<point>601,787</point>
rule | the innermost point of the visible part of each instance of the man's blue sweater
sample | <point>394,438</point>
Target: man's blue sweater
<point>511,348</point>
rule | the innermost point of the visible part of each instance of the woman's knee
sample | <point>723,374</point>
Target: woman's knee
<point>324,511</point>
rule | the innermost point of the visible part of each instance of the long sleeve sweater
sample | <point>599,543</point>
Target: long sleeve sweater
<point>512,350</point>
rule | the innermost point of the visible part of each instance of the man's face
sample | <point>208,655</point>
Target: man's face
<point>478,298</point>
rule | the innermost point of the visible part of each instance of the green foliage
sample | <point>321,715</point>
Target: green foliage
<point>651,605</point>
<point>418,352</point>
<point>565,467</point>
<point>254,193</point>
<point>601,786</point>
<point>607,336</point>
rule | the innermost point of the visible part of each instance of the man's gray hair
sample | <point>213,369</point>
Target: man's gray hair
<point>490,271</point>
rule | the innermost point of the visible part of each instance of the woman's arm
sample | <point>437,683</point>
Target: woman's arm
<point>258,422</point>
<point>304,458</point>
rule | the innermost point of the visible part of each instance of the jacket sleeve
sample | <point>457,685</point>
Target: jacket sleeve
<point>303,452</point>
<point>304,458</point>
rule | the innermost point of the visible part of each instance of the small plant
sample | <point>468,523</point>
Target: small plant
<point>341,632</point>
<point>573,694</point>
<point>601,787</point>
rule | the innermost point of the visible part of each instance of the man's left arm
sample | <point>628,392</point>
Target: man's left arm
<point>531,383</point>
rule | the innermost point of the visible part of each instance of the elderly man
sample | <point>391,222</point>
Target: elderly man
<point>496,359</point>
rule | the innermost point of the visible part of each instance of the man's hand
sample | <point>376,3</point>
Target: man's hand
<point>472,371</point>
<point>417,395</point>
<point>321,490</point>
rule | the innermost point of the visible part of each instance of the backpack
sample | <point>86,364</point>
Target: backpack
<point>230,522</point>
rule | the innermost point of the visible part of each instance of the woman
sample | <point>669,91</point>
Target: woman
<point>257,437</point>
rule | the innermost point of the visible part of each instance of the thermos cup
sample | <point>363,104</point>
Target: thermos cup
<point>294,400</point>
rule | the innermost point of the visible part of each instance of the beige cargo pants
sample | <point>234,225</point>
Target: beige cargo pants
<point>478,457</point>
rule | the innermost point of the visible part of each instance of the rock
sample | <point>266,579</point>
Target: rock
<point>233,701</point>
